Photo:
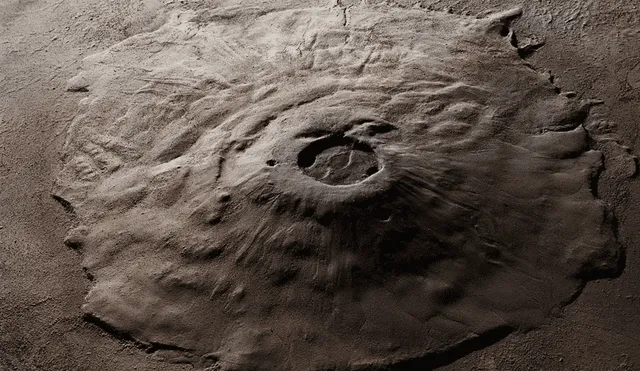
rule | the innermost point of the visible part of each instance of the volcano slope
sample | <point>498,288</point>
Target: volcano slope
<point>329,188</point>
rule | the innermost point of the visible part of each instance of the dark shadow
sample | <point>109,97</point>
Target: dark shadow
<point>445,357</point>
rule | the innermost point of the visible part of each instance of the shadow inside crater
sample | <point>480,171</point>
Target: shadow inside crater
<point>338,160</point>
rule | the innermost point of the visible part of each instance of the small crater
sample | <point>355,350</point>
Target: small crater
<point>224,197</point>
<point>214,218</point>
<point>382,214</point>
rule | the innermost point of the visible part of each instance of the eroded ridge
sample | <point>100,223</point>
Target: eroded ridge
<point>286,189</point>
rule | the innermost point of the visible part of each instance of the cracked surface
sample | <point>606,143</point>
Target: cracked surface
<point>286,189</point>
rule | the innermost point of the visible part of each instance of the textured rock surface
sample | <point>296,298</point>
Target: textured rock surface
<point>323,187</point>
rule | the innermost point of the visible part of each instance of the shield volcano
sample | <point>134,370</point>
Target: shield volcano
<point>329,188</point>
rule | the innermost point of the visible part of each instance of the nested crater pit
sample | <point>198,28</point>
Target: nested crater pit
<point>338,160</point>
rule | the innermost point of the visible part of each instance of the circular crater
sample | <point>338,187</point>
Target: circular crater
<point>338,160</point>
